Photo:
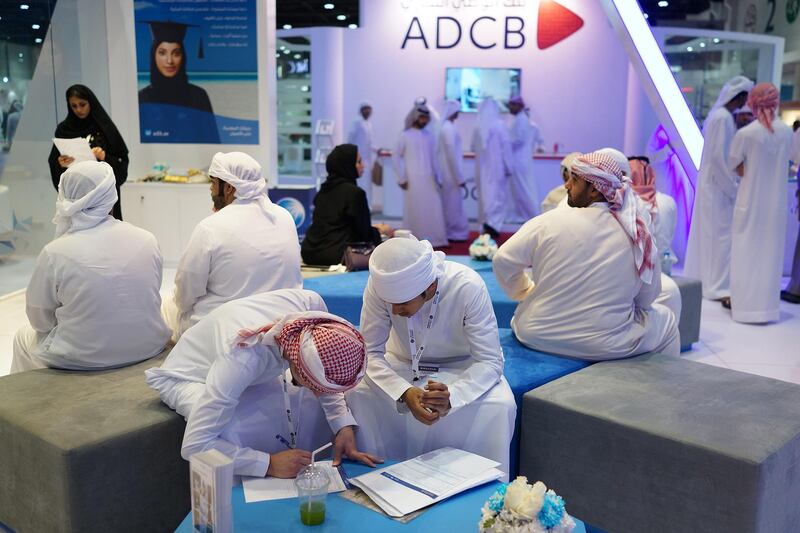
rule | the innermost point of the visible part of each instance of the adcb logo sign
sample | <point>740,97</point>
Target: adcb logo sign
<point>484,31</point>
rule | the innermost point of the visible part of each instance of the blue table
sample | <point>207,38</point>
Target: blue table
<point>459,513</point>
<point>344,293</point>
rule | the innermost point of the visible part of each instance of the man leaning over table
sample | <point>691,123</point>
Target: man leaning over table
<point>435,365</point>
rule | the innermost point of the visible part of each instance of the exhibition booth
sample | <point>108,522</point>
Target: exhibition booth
<point>632,440</point>
<point>288,96</point>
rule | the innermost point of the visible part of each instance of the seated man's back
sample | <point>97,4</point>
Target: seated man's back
<point>248,246</point>
<point>585,297</point>
<point>96,291</point>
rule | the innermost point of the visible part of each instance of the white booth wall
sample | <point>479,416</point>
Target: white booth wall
<point>576,89</point>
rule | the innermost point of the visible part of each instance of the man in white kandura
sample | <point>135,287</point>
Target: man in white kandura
<point>250,379</point>
<point>418,175</point>
<point>708,252</point>
<point>760,154</point>
<point>661,222</point>
<point>435,372</point>
<point>595,272</point>
<point>450,156</point>
<point>525,137</point>
<point>93,299</point>
<point>360,134</point>
<point>249,245</point>
<point>493,166</point>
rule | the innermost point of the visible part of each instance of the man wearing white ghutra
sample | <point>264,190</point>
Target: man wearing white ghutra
<point>435,365</point>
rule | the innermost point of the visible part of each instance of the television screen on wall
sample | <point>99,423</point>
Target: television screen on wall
<point>470,85</point>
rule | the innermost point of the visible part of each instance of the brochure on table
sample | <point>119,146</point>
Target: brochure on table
<point>427,479</point>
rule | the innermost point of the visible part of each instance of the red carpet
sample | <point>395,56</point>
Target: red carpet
<point>462,248</point>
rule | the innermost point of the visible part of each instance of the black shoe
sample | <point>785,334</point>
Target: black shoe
<point>493,233</point>
<point>726,303</point>
<point>790,297</point>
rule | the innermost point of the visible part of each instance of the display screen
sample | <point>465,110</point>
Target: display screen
<point>471,85</point>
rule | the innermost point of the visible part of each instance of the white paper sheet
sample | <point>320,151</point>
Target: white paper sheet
<point>427,479</point>
<point>259,489</point>
<point>77,148</point>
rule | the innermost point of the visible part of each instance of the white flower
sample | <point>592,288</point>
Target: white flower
<point>483,247</point>
<point>523,499</point>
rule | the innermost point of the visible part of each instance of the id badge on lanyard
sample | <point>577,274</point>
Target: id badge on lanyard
<point>417,346</point>
<point>292,441</point>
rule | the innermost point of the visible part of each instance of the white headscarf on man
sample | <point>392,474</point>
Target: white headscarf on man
<point>243,173</point>
<point>402,268</point>
<point>86,193</point>
<point>734,86</point>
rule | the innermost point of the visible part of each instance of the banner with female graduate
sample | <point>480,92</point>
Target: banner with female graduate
<point>197,71</point>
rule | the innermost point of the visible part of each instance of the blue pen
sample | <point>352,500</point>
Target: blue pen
<point>284,441</point>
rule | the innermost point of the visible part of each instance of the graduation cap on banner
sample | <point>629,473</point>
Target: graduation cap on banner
<point>172,32</point>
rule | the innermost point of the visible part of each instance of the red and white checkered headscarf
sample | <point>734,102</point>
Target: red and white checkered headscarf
<point>328,352</point>
<point>605,174</point>
<point>764,100</point>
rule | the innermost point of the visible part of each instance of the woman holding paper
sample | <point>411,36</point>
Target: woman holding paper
<point>87,119</point>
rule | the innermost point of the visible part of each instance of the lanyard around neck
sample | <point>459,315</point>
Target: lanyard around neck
<point>288,406</point>
<point>417,345</point>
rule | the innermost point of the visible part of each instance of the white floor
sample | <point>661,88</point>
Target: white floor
<point>772,350</point>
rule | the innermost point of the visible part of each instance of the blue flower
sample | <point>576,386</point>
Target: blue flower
<point>552,510</point>
<point>497,499</point>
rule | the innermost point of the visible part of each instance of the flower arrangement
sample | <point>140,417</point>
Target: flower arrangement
<point>483,248</point>
<point>518,507</point>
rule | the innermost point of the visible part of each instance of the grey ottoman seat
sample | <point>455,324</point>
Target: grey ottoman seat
<point>660,444</point>
<point>90,451</point>
<point>691,305</point>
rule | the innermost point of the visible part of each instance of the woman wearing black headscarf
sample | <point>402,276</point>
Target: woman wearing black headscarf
<point>87,118</point>
<point>341,214</point>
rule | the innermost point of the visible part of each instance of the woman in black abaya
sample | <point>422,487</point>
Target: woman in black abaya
<point>87,118</point>
<point>341,213</point>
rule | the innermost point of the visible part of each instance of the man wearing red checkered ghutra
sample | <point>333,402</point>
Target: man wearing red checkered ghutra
<point>262,379</point>
<point>587,275</point>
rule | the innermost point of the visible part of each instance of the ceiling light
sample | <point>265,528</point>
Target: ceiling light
<point>20,54</point>
<point>287,26</point>
<point>304,88</point>
<point>297,56</point>
<point>352,26</point>
<point>38,39</point>
<point>24,6</point>
<point>341,17</point>
<point>5,79</point>
<point>663,3</point>
<point>328,6</point>
<point>277,54</point>
<point>286,52</point>
<point>646,16</point>
<point>716,40</point>
<point>35,26</point>
<point>689,49</point>
<point>702,45</point>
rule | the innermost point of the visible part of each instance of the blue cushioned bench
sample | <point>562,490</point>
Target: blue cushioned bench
<point>525,370</point>
<point>343,293</point>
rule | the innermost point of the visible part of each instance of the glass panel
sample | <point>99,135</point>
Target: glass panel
<point>24,27</point>
<point>702,65</point>
<point>293,62</point>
